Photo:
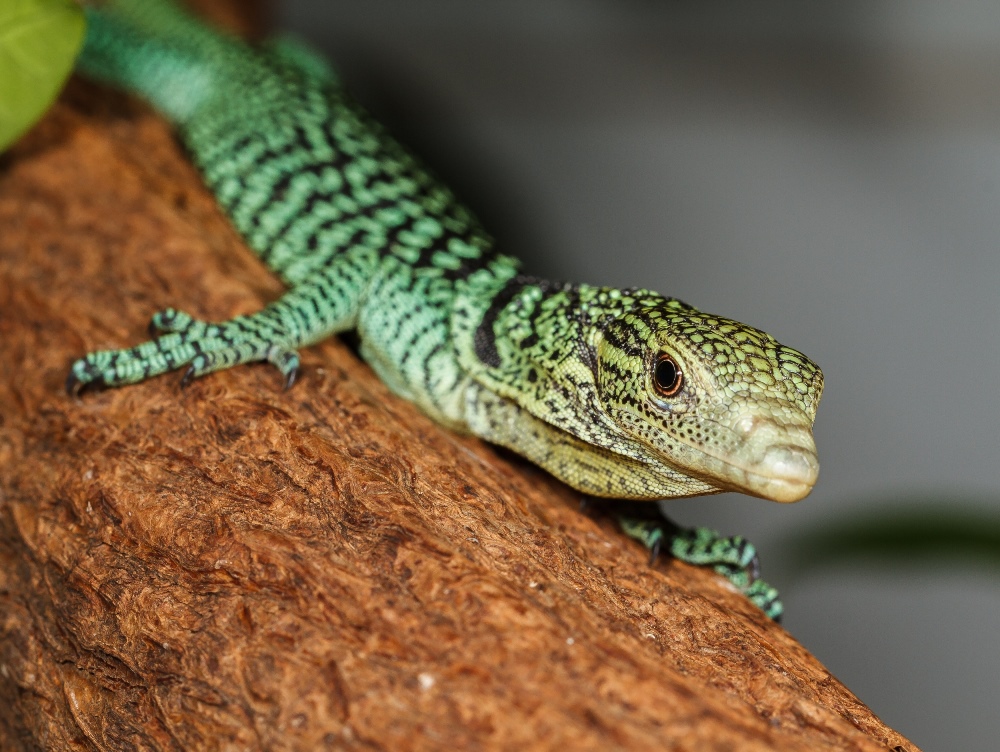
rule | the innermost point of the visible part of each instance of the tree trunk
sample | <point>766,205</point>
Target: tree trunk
<point>231,566</point>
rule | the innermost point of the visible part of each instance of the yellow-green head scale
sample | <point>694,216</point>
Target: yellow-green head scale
<point>713,399</point>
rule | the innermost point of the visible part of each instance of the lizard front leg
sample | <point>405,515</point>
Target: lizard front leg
<point>305,314</point>
<point>735,558</point>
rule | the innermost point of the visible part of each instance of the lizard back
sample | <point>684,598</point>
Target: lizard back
<point>312,182</point>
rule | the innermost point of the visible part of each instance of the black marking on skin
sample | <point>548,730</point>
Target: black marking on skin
<point>484,340</point>
<point>425,363</point>
<point>279,189</point>
<point>532,320</point>
<point>630,346</point>
<point>415,337</point>
<point>468,266</point>
<point>586,353</point>
<point>294,218</point>
<point>265,159</point>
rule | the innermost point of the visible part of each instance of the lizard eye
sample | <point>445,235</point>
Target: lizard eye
<point>667,376</point>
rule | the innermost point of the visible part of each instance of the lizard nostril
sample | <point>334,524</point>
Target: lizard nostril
<point>745,425</point>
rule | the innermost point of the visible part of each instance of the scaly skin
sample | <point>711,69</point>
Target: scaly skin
<point>367,239</point>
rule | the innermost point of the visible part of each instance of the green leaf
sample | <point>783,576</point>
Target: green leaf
<point>39,40</point>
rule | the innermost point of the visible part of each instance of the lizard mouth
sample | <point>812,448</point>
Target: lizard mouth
<point>772,460</point>
<point>786,473</point>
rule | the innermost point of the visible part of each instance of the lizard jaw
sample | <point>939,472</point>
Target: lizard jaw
<point>786,473</point>
<point>768,458</point>
<point>776,461</point>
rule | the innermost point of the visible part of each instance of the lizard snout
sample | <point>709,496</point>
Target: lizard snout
<point>786,473</point>
<point>777,460</point>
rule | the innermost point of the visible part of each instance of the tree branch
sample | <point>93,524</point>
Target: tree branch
<point>231,566</point>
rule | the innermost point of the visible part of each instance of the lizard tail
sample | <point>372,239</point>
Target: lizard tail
<point>157,50</point>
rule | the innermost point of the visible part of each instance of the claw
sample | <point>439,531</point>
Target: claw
<point>654,551</point>
<point>73,385</point>
<point>290,378</point>
<point>76,385</point>
<point>188,376</point>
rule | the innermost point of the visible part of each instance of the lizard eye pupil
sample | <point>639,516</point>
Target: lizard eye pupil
<point>667,376</point>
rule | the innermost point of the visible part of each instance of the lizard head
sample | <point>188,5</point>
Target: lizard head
<point>713,399</point>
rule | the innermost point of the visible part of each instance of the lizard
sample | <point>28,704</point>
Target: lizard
<point>622,394</point>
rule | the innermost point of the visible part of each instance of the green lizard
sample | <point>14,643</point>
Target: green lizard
<point>619,393</point>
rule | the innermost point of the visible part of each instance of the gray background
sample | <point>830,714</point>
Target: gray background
<point>827,172</point>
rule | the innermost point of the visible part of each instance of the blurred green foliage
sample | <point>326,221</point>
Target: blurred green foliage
<point>912,531</point>
<point>39,40</point>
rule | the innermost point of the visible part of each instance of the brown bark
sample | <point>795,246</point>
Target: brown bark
<point>232,566</point>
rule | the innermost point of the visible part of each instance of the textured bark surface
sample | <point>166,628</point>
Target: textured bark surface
<point>231,566</point>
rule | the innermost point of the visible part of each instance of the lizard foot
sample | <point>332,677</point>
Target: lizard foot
<point>735,558</point>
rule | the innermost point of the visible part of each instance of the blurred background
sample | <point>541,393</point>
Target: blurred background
<point>829,172</point>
